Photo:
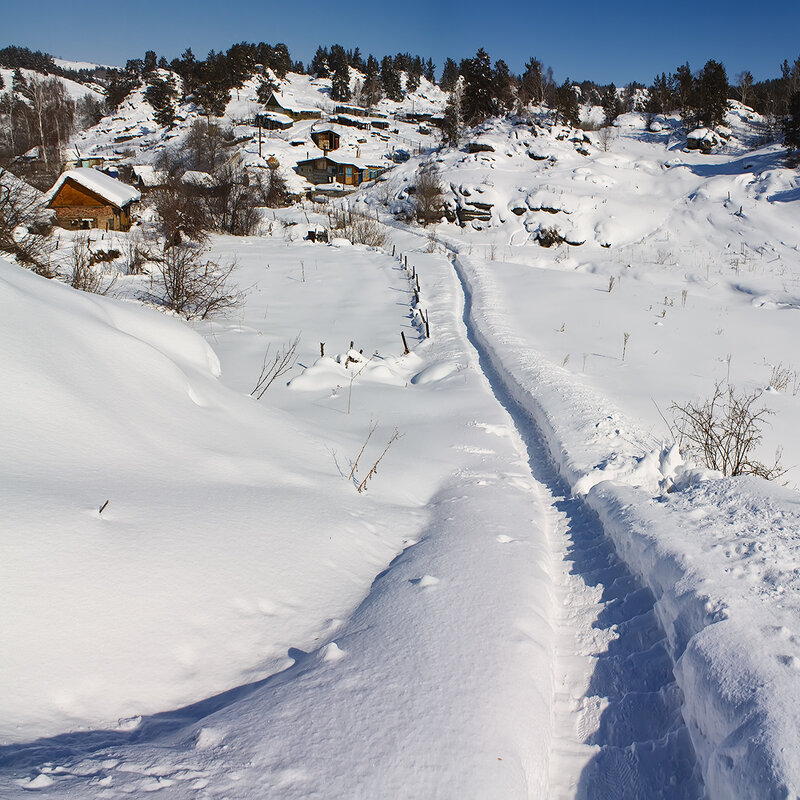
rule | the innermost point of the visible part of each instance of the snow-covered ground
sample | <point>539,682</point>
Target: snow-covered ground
<point>515,606</point>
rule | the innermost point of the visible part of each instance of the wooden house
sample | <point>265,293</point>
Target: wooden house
<point>283,103</point>
<point>273,121</point>
<point>326,139</point>
<point>346,170</point>
<point>147,178</point>
<point>88,198</point>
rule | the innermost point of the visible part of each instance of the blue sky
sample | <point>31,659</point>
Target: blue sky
<point>602,41</point>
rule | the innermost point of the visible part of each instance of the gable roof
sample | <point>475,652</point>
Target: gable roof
<point>286,100</point>
<point>344,160</point>
<point>115,192</point>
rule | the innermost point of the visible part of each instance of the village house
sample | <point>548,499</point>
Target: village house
<point>87,198</point>
<point>147,178</point>
<point>273,121</point>
<point>284,104</point>
<point>347,170</point>
<point>326,139</point>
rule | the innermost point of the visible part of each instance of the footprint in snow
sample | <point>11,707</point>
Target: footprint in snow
<point>425,581</point>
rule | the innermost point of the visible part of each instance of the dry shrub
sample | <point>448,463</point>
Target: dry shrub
<point>723,432</point>
<point>84,276</point>
<point>193,286</point>
<point>358,227</point>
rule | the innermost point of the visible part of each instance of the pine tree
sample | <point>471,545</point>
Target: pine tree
<point>430,71</point>
<point>319,64</point>
<point>452,124</point>
<point>791,126</point>
<point>372,84</point>
<point>503,87</point>
<point>683,90</point>
<point>711,94</point>
<point>150,62</point>
<point>340,73</point>
<point>612,107</point>
<point>390,80</point>
<point>449,75</point>
<point>478,100</point>
<point>567,109</point>
<point>531,89</point>
<point>161,94</point>
<point>660,98</point>
<point>213,91</point>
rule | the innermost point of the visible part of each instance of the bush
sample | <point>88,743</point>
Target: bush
<point>195,287</point>
<point>358,228</point>
<point>723,431</point>
<point>428,195</point>
<point>84,276</point>
<point>25,224</point>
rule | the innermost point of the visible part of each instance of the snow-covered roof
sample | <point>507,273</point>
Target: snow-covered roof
<point>288,101</point>
<point>274,115</point>
<point>115,192</point>
<point>195,177</point>
<point>149,175</point>
<point>344,158</point>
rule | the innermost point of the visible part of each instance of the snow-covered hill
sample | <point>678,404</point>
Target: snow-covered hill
<point>132,136</point>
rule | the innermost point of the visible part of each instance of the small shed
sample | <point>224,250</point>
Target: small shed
<point>326,139</point>
<point>87,198</point>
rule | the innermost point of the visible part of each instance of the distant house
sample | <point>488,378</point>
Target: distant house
<point>273,121</point>
<point>346,170</point>
<point>284,104</point>
<point>84,161</point>
<point>88,198</point>
<point>326,139</point>
<point>147,177</point>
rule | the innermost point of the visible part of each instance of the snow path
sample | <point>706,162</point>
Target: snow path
<point>618,729</point>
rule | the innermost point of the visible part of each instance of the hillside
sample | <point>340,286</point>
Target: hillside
<point>482,568</point>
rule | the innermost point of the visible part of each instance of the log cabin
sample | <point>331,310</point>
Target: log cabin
<point>88,198</point>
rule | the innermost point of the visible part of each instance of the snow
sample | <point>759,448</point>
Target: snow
<point>74,90</point>
<point>116,192</point>
<point>482,569</point>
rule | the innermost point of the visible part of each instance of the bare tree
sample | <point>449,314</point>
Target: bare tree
<point>84,275</point>
<point>54,116</point>
<point>428,195</point>
<point>232,204</point>
<point>206,145</point>
<point>193,286</point>
<point>723,432</point>
<point>25,224</point>
<point>272,190</point>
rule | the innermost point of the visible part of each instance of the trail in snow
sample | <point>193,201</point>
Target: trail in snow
<point>618,729</point>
